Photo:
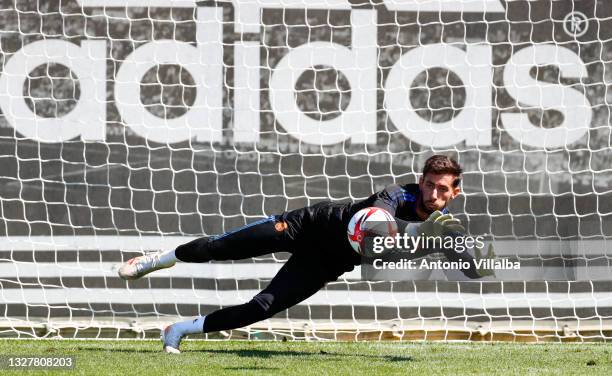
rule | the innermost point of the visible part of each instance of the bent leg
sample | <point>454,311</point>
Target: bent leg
<point>297,280</point>
<point>255,239</point>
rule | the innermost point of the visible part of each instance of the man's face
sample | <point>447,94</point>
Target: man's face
<point>437,191</point>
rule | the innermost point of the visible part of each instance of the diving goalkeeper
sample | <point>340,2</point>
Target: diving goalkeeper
<point>316,238</point>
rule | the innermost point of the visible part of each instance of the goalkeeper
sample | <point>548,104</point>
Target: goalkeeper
<point>316,238</point>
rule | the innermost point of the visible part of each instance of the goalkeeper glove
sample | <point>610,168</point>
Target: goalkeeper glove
<point>437,224</point>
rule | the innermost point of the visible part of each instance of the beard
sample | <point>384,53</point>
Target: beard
<point>426,208</point>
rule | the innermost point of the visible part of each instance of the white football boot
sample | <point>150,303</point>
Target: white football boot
<point>142,265</point>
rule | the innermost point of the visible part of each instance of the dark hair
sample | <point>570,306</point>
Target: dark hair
<point>441,164</point>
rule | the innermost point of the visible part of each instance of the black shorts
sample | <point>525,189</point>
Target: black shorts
<point>321,230</point>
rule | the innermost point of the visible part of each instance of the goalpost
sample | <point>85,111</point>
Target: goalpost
<point>130,126</point>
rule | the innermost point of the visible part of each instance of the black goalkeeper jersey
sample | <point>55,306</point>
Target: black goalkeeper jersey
<point>323,226</point>
<point>399,200</point>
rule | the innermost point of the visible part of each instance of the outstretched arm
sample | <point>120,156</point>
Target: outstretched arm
<point>439,224</point>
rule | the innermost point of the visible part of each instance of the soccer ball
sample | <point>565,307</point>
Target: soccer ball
<point>369,222</point>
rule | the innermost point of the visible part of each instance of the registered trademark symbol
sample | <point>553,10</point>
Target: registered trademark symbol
<point>576,24</point>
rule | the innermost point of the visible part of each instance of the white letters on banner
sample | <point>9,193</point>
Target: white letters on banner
<point>357,123</point>
<point>87,62</point>
<point>205,64</point>
<point>472,124</point>
<point>532,93</point>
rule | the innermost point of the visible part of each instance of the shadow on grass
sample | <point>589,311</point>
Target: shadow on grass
<point>120,350</point>
<point>260,354</point>
<point>265,354</point>
<point>251,368</point>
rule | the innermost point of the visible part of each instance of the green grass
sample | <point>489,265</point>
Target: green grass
<point>316,358</point>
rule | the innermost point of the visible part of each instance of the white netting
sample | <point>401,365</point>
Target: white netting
<point>127,128</point>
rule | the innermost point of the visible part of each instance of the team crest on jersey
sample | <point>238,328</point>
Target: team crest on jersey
<point>280,226</point>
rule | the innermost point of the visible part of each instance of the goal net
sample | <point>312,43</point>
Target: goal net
<point>130,126</point>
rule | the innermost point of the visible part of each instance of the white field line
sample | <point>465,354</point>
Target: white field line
<point>526,248</point>
<point>267,270</point>
<point>325,297</point>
